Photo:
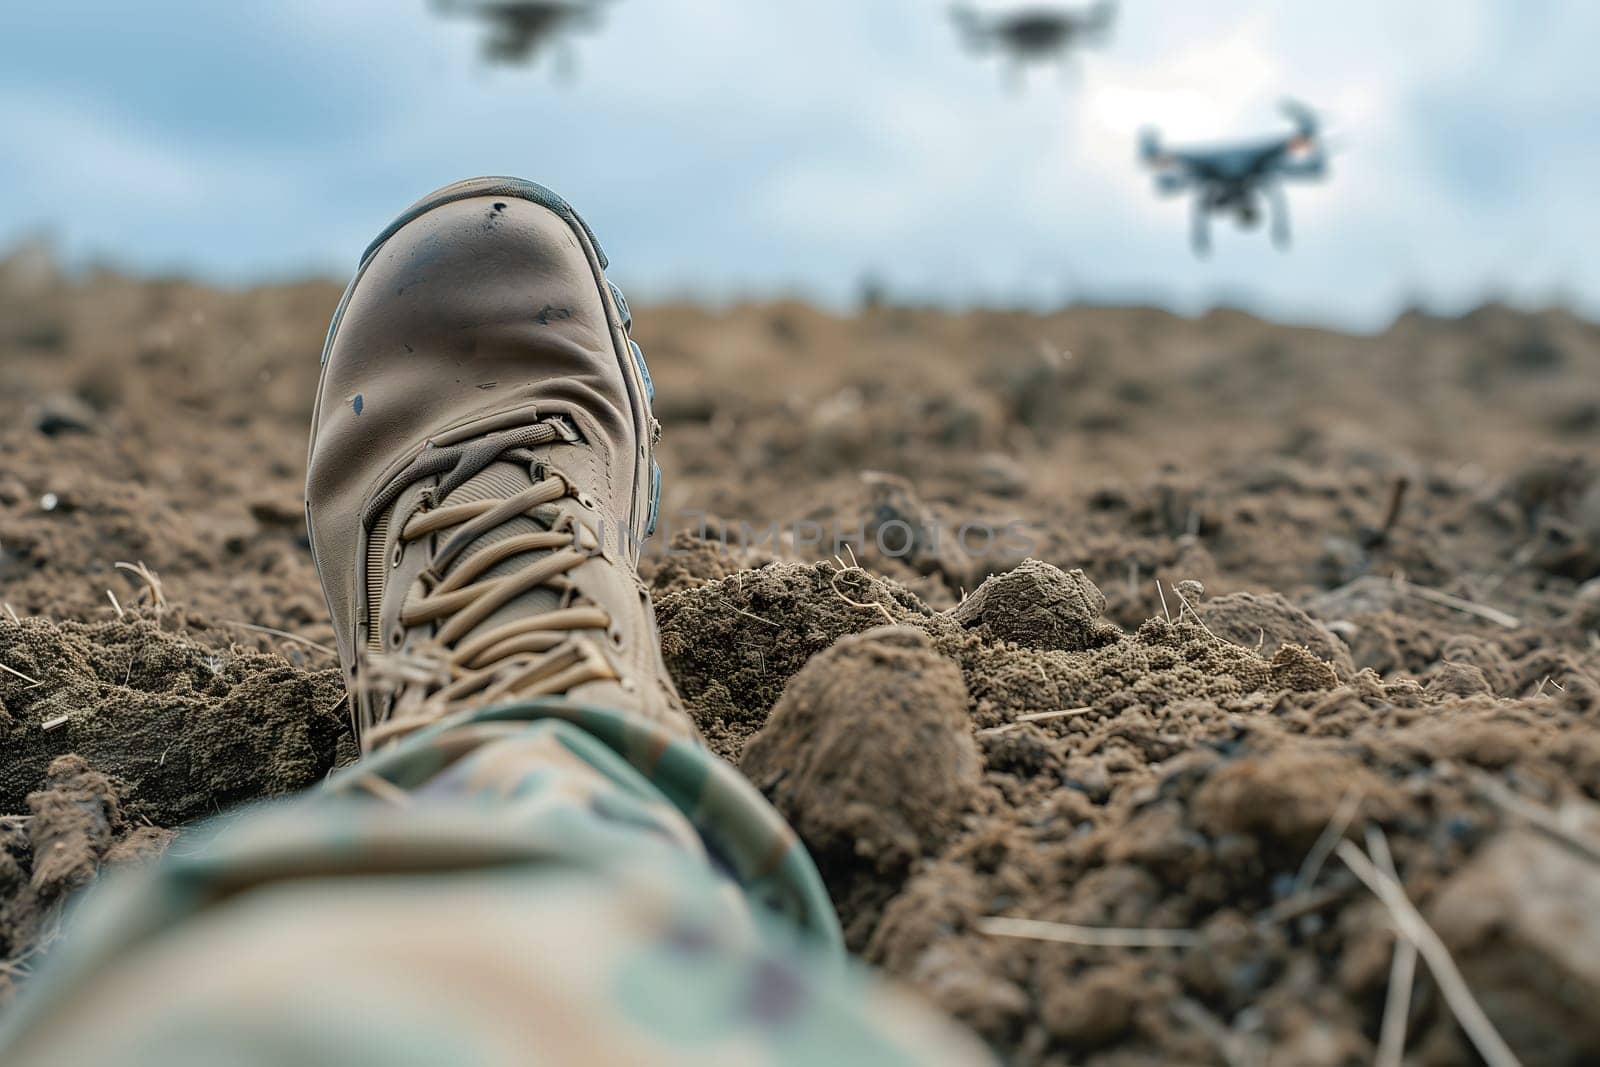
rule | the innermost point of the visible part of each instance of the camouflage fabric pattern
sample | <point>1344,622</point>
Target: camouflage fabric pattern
<point>535,882</point>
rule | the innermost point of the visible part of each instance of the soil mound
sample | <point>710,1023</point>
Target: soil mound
<point>1427,495</point>
<point>869,756</point>
<point>733,644</point>
<point>190,729</point>
<point>174,731</point>
<point>1255,939</point>
<point>1168,779</point>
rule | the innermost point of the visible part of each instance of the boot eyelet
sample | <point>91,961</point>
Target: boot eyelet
<point>398,554</point>
<point>614,635</point>
<point>397,637</point>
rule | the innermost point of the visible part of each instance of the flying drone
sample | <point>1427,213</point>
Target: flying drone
<point>1033,35</point>
<point>1235,180</point>
<point>520,29</point>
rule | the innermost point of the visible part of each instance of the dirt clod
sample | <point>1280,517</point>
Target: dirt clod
<point>1266,622</point>
<point>75,826</point>
<point>1523,920</point>
<point>1038,605</point>
<point>1294,667</point>
<point>869,756</point>
<point>75,817</point>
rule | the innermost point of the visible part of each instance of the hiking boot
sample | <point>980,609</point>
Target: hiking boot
<point>481,475</point>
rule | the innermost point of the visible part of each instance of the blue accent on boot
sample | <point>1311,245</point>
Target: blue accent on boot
<point>655,497</point>
<point>644,371</point>
<point>622,305</point>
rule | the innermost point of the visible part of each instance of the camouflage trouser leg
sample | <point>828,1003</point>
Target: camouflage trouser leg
<point>529,883</point>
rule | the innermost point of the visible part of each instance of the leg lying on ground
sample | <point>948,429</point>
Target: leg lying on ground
<point>499,888</point>
<point>536,860</point>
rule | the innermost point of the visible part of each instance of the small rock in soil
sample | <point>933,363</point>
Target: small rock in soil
<point>1038,605</point>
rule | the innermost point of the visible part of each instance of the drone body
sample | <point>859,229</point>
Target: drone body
<point>1237,180</point>
<point>520,29</point>
<point>1034,34</point>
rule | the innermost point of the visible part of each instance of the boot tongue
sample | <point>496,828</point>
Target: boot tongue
<point>498,480</point>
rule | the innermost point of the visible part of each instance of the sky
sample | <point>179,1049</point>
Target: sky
<point>725,149</point>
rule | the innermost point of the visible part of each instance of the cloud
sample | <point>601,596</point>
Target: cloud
<point>737,147</point>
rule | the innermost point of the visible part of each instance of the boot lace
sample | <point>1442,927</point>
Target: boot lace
<point>542,654</point>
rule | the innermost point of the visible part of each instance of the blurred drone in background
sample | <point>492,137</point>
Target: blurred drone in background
<point>1031,35</point>
<point>519,30</point>
<point>1237,179</point>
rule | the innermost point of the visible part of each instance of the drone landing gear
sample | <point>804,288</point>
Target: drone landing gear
<point>1279,204</point>
<point>1200,229</point>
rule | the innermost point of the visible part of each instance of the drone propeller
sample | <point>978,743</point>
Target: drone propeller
<point>1150,147</point>
<point>1097,21</point>
<point>969,23</point>
<point>1304,119</point>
